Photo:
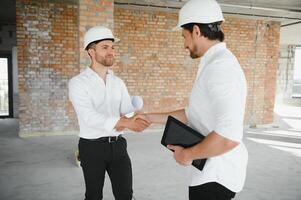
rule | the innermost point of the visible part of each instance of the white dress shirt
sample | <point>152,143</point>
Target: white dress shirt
<point>98,105</point>
<point>217,103</point>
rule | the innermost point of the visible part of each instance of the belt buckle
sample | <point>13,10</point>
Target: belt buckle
<point>112,139</point>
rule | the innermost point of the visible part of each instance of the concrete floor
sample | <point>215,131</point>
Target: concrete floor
<point>43,168</point>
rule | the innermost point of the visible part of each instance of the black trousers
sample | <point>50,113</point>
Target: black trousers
<point>210,191</point>
<point>98,157</point>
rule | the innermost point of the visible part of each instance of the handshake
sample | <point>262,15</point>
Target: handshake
<point>136,123</point>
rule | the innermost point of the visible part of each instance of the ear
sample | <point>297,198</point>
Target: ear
<point>90,51</point>
<point>196,31</point>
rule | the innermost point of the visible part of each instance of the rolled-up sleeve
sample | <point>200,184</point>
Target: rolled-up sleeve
<point>225,95</point>
<point>85,110</point>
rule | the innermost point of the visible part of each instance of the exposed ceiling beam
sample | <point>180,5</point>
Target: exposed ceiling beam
<point>291,24</point>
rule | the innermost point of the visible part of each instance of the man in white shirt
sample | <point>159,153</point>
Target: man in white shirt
<point>216,106</point>
<point>101,100</point>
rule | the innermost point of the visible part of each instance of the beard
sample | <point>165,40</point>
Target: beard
<point>107,61</point>
<point>194,53</point>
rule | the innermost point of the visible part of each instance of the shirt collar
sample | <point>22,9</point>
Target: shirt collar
<point>212,50</point>
<point>208,55</point>
<point>91,72</point>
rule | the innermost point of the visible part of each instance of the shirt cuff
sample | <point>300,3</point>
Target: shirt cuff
<point>111,123</point>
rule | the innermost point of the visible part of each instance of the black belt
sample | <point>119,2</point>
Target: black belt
<point>104,139</point>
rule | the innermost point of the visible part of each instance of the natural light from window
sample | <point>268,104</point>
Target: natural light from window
<point>3,87</point>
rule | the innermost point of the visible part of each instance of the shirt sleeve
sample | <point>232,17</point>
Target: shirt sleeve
<point>225,93</point>
<point>85,110</point>
<point>126,105</point>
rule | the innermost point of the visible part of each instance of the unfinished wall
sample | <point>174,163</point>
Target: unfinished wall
<point>47,35</point>
<point>256,45</point>
<point>285,73</point>
<point>49,41</point>
<point>150,58</point>
<point>7,37</point>
<point>154,64</point>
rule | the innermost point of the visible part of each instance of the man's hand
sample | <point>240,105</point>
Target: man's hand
<point>136,123</point>
<point>181,155</point>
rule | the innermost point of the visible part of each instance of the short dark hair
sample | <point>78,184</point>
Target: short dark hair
<point>211,31</point>
<point>93,44</point>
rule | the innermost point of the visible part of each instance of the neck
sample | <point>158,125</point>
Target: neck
<point>100,70</point>
<point>212,43</point>
<point>208,45</point>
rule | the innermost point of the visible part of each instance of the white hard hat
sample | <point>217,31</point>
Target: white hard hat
<point>199,11</point>
<point>98,33</point>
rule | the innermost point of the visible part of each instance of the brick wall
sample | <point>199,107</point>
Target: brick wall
<point>150,58</point>
<point>47,35</point>
<point>154,64</point>
<point>256,45</point>
<point>271,48</point>
<point>49,41</point>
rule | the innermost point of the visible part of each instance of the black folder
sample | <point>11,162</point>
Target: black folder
<point>178,133</point>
